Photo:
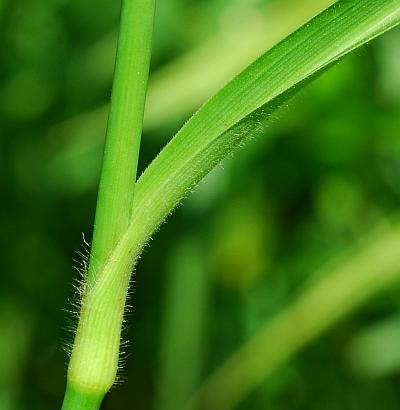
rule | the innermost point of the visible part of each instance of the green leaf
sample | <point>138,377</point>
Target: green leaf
<point>238,112</point>
<point>241,109</point>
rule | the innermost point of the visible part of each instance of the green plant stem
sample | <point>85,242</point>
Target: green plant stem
<point>238,112</point>
<point>118,176</point>
<point>180,87</point>
<point>77,399</point>
<point>94,360</point>
<point>374,266</point>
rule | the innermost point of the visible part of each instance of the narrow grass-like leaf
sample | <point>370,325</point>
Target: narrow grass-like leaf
<point>181,86</point>
<point>236,113</point>
<point>239,110</point>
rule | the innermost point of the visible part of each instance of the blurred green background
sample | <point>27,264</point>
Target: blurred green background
<point>251,238</point>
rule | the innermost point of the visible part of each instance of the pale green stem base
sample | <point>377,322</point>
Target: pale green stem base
<point>77,400</point>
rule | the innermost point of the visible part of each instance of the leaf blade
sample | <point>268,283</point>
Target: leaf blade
<point>324,40</point>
